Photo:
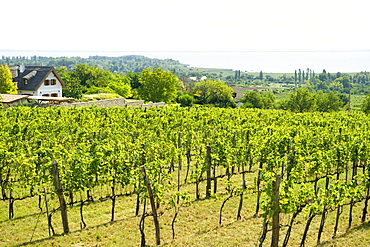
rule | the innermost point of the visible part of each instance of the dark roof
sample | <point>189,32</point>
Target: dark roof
<point>34,74</point>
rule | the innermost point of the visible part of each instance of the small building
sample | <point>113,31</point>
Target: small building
<point>8,100</point>
<point>37,80</point>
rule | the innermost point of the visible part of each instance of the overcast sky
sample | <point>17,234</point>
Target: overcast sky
<point>185,25</point>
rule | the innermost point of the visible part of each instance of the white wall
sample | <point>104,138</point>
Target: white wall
<point>50,89</point>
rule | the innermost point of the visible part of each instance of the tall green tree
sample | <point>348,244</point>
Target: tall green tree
<point>365,107</point>
<point>328,102</point>
<point>134,79</point>
<point>85,78</point>
<point>344,80</point>
<point>301,101</point>
<point>158,85</point>
<point>214,92</point>
<point>253,99</point>
<point>74,89</point>
<point>121,88</point>
<point>261,75</point>
<point>7,86</point>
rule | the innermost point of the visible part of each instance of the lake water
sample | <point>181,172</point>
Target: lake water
<point>267,61</point>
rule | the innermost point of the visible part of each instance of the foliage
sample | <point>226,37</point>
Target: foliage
<point>328,102</point>
<point>100,148</point>
<point>132,66</point>
<point>74,89</point>
<point>186,100</point>
<point>96,90</point>
<point>120,85</point>
<point>122,64</point>
<point>253,99</point>
<point>158,85</point>
<point>214,92</point>
<point>301,101</point>
<point>7,86</point>
<point>86,79</point>
<point>91,76</point>
<point>366,104</point>
<point>304,100</point>
<point>28,103</point>
<point>134,79</point>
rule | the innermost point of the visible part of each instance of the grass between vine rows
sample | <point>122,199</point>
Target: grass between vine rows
<point>196,224</point>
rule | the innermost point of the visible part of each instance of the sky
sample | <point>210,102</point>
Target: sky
<point>185,25</point>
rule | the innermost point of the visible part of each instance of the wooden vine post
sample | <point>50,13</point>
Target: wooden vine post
<point>153,205</point>
<point>276,209</point>
<point>47,211</point>
<point>208,164</point>
<point>179,146</point>
<point>62,202</point>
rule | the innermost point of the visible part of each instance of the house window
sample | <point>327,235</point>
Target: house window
<point>54,95</point>
<point>46,95</point>
<point>47,82</point>
<point>53,82</point>
<point>25,81</point>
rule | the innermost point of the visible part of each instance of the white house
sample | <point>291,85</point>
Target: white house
<point>37,80</point>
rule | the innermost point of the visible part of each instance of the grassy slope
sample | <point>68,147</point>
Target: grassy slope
<point>196,225</point>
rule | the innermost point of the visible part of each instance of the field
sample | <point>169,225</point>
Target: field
<point>196,225</point>
<point>322,160</point>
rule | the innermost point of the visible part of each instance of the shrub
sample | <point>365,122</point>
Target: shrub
<point>186,100</point>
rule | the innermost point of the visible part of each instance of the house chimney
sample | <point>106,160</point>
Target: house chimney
<point>21,68</point>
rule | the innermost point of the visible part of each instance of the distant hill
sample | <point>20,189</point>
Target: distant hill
<point>123,64</point>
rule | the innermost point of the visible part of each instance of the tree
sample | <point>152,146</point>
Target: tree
<point>73,89</point>
<point>253,99</point>
<point>261,75</point>
<point>158,85</point>
<point>120,84</point>
<point>345,81</point>
<point>301,101</point>
<point>121,88</point>
<point>7,86</point>
<point>134,79</point>
<point>323,76</point>
<point>186,100</point>
<point>365,107</point>
<point>92,76</point>
<point>328,102</point>
<point>85,78</point>
<point>214,92</point>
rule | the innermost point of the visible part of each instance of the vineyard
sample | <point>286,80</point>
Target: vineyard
<point>272,171</point>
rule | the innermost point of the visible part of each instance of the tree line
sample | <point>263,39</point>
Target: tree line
<point>301,100</point>
<point>326,81</point>
<point>151,84</point>
<point>339,82</point>
<point>122,64</point>
<point>129,76</point>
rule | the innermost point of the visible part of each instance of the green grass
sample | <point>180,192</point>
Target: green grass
<point>196,224</point>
